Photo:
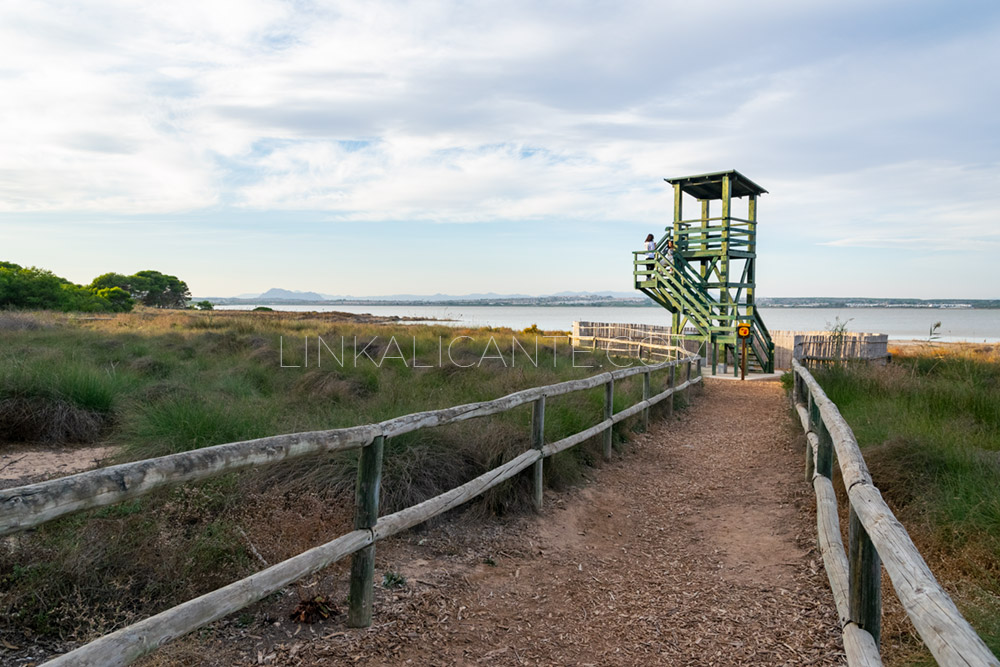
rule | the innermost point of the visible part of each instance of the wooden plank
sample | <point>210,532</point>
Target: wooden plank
<point>129,644</point>
<point>366,494</point>
<point>26,506</point>
<point>950,638</point>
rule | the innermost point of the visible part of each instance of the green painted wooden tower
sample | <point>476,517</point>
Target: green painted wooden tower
<point>710,282</point>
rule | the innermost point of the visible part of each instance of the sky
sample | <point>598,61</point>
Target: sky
<point>385,147</point>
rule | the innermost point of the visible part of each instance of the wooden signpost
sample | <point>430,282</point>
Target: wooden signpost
<point>743,333</point>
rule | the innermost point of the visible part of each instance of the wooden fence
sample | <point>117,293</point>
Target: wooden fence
<point>876,539</point>
<point>827,346</point>
<point>28,506</point>
<point>642,341</point>
<point>651,341</point>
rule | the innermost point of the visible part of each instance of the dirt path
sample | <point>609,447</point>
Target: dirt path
<point>695,548</point>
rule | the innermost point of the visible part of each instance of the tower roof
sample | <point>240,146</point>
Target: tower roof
<point>709,186</point>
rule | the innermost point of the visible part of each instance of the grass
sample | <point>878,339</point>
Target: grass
<point>929,427</point>
<point>156,383</point>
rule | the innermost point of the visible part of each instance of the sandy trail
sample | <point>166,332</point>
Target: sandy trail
<point>694,548</point>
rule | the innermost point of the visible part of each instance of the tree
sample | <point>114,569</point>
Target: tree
<point>109,280</point>
<point>119,300</point>
<point>160,290</point>
<point>31,288</point>
<point>204,305</point>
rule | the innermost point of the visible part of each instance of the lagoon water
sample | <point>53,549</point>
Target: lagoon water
<point>900,323</point>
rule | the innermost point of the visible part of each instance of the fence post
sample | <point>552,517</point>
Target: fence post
<point>824,453</point>
<point>687,378</point>
<point>701,385</point>
<point>645,397</point>
<point>609,410</point>
<point>671,385</point>
<point>537,440</point>
<point>359,614</point>
<point>809,450</point>
<point>865,579</point>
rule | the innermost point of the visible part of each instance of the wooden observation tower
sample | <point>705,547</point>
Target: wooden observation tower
<point>709,283</point>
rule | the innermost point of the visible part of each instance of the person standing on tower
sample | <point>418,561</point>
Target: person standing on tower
<point>650,255</point>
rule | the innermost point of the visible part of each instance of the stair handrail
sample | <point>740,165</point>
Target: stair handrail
<point>680,280</point>
<point>689,294</point>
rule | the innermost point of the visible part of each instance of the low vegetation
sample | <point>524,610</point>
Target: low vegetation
<point>929,428</point>
<point>154,383</point>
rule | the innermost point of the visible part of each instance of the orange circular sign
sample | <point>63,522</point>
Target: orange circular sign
<point>743,331</point>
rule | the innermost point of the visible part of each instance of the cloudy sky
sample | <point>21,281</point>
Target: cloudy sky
<point>381,147</point>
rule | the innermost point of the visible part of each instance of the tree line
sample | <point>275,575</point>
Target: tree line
<point>35,288</point>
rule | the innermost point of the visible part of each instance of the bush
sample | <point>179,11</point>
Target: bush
<point>36,288</point>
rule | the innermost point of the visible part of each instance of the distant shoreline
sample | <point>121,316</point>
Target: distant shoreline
<point>618,303</point>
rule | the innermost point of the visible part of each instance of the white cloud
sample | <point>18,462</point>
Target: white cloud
<point>447,112</point>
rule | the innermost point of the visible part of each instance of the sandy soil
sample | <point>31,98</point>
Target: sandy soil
<point>693,548</point>
<point>20,465</point>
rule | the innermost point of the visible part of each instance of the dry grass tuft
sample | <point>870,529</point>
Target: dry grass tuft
<point>149,367</point>
<point>21,322</point>
<point>37,419</point>
<point>327,384</point>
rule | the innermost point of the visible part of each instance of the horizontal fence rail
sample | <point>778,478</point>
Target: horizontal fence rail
<point>28,506</point>
<point>877,539</point>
